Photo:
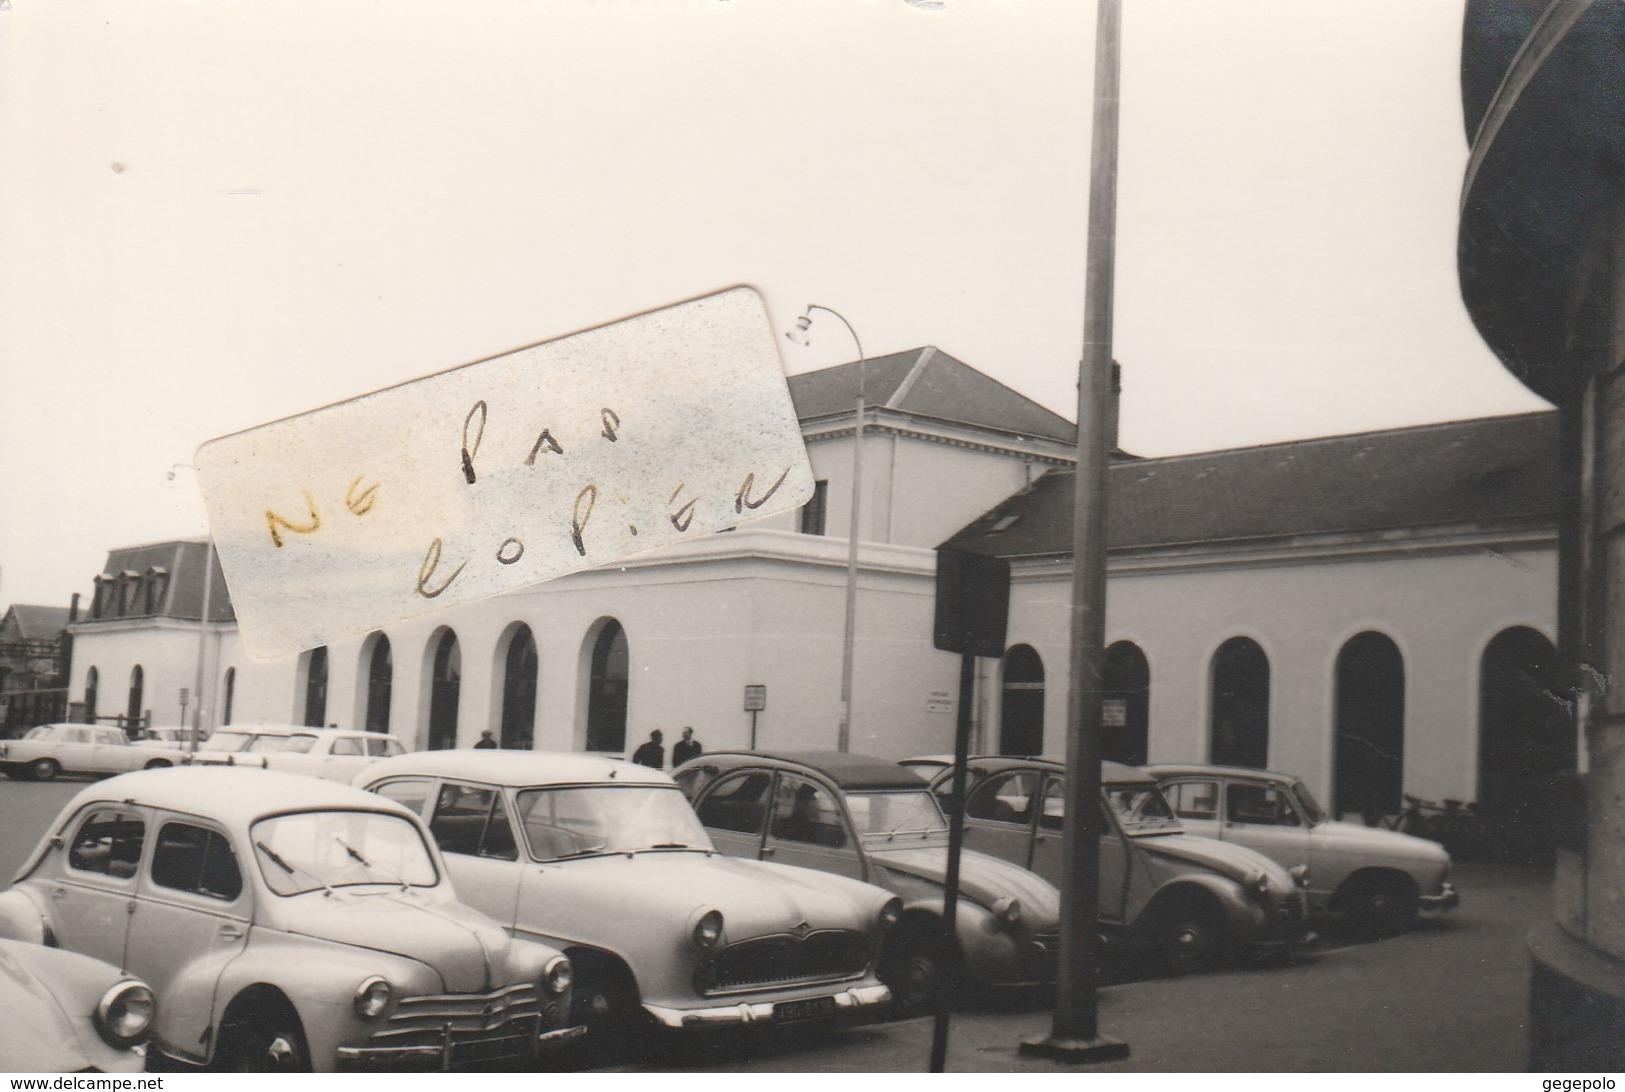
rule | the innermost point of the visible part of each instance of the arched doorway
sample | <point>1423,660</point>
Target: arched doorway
<point>1021,708</point>
<point>610,671</point>
<point>380,685</point>
<point>1125,685</point>
<point>1525,742</point>
<point>92,681</point>
<point>445,687</point>
<point>519,690</point>
<point>132,708</point>
<point>1239,731</point>
<point>1370,771</point>
<point>316,687</point>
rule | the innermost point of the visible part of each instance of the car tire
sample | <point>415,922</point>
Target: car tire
<point>916,964</point>
<point>1193,939</point>
<point>1382,905</point>
<point>44,769</point>
<point>158,764</point>
<point>270,1044</point>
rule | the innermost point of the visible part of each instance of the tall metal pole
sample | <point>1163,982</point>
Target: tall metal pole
<point>1075,1033</point>
<point>843,733</point>
<point>202,640</point>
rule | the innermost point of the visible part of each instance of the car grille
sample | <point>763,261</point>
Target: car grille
<point>1048,945</point>
<point>783,960</point>
<point>1294,907</point>
<point>479,1027</point>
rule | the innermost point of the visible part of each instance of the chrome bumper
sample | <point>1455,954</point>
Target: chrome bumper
<point>1448,898</point>
<point>847,1004</point>
<point>439,1055</point>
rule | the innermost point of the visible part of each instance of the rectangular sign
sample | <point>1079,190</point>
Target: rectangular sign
<point>1114,712</point>
<point>500,474</point>
<point>755,698</point>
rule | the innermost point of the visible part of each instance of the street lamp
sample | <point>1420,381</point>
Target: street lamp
<point>202,627</point>
<point>843,738</point>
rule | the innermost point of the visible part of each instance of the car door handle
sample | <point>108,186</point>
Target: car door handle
<point>768,851</point>
<point>59,892</point>
<point>231,932</point>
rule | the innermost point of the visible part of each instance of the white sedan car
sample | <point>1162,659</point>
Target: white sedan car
<point>53,749</point>
<point>329,753</point>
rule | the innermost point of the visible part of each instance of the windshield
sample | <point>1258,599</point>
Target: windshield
<point>226,741</point>
<point>313,850</point>
<point>42,732</point>
<point>263,745</point>
<point>1306,800</point>
<point>1142,809</point>
<point>911,811</point>
<point>578,821</point>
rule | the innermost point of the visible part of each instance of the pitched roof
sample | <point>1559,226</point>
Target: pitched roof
<point>35,622</point>
<point>1491,470</point>
<point>926,382</point>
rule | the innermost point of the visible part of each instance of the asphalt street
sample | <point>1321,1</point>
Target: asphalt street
<point>1448,997</point>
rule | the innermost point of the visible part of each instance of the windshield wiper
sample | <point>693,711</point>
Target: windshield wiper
<point>288,868</point>
<point>579,852</point>
<point>356,856</point>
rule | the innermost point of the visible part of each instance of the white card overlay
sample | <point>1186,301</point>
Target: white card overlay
<point>503,473</point>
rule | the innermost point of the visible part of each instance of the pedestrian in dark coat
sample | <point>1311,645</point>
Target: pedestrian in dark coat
<point>652,753</point>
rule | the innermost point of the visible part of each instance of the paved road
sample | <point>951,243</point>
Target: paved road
<point>1448,997</point>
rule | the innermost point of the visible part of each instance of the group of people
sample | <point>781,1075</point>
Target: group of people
<point>652,752</point>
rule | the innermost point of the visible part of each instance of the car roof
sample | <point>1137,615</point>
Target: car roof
<point>232,794</point>
<point>1191,769</point>
<point>268,729</point>
<point>849,771</point>
<point>517,768</point>
<point>1115,773</point>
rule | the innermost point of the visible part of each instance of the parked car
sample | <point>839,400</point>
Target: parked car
<point>285,923</point>
<point>606,860</point>
<point>1195,902</point>
<point>1378,879</point>
<point>68,1013</point>
<point>52,749</point>
<point>226,746</point>
<point>875,821</point>
<point>330,753</point>
<point>168,738</point>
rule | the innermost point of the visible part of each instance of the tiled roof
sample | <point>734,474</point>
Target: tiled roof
<point>930,383</point>
<point>35,622</point>
<point>1494,470</point>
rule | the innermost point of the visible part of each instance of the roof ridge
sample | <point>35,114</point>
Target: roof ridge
<point>927,354</point>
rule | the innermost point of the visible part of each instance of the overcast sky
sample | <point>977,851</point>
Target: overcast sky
<point>217,213</point>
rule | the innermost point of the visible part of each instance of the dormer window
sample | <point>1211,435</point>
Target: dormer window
<point>1003,523</point>
<point>157,582</point>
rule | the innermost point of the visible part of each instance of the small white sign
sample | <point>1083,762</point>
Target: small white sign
<point>1114,713</point>
<point>939,701</point>
<point>503,473</point>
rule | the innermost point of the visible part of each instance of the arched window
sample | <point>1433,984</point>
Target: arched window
<point>1370,727</point>
<point>380,685</point>
<point>92,681</point>
<point>445,687</point>
<point>316,687</point>
<point>607,690</point>
<point>1125,686</point>
<point>1526,739</point>
<point>132,711</point>
<point>1239,732</point>
<point>231,692</point>
<point>519,690</point>
<point>1021,709</point>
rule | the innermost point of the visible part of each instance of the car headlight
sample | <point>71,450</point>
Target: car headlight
<point>125,1012</point>
<point>558,976</point>
<point>891,913</point>
<point>372,997</point>
<point>1299,874</point>
<point>709,929</point>
<point>1007,910</point>
<point>1257,882</point>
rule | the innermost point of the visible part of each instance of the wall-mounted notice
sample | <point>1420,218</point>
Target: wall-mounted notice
<point>503,473</point>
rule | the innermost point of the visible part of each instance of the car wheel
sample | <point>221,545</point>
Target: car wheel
<point>44,769</point>
<point>1382,906</point>
<point>157,764</point>
<point>1194,939</point>
<point>270,1046</point>
<point>916,965</point>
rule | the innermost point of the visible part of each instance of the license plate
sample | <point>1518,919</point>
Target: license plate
<point>808,1008</point>
<point>486,1050</point>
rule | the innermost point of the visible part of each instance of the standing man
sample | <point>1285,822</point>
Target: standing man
<point>486,743</point>
<point>688,747</point>
<point>651,754</point>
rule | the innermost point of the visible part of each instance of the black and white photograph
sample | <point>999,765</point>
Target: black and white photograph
<point>860,537</point>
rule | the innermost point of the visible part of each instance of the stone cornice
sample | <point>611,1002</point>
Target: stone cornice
<point>911,426</point>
